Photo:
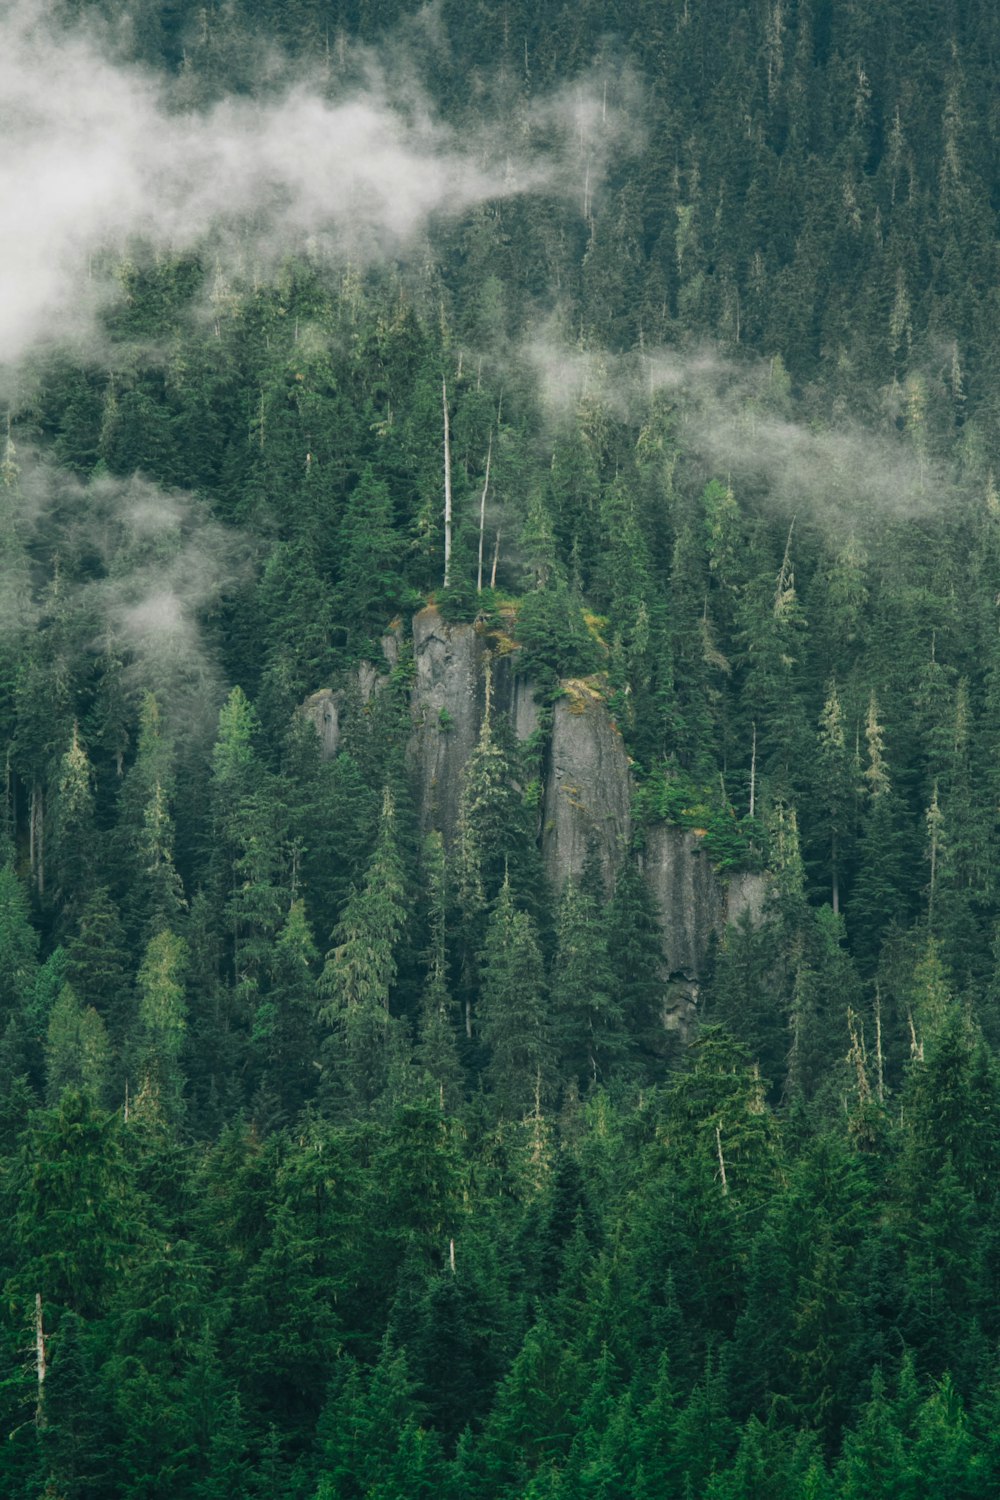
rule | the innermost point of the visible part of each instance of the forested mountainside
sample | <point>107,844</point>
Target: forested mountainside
<point>499,694</point>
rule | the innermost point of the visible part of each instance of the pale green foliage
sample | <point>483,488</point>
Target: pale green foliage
<point>361,967</point>
<point>161,994</point>
<point>356,984</point>
<point>77,1052</point>
<point>876,773</point>
<point>162,1020</point>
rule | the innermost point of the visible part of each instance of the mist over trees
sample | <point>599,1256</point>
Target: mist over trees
<point>350,1145</point>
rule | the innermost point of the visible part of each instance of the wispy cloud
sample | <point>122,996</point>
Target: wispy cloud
<point>737,420</point>
<point>97,153</point>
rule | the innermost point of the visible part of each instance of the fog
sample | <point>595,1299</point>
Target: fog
<point>98,153</point>
<point>156,565</point>
<point>738,420</point>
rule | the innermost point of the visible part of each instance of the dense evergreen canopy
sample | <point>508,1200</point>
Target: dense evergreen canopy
<point>344,1158</point>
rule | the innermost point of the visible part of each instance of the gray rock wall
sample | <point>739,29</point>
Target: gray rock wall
<point>448,703</point>
<point>688,897</point>
<point>323,710</point>
<point>587,787</point>
<point>747,895</point>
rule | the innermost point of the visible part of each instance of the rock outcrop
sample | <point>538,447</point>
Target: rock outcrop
<point>323,709</point>
<point>688,897</point>
<point>587,787</point>
<point>747,895</point>
<point>326,709</point>
<point>694,907</point>
<point>448,705</point>
<point>448,702</point>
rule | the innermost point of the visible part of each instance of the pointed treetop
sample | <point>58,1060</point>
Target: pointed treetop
<point>876,774</point>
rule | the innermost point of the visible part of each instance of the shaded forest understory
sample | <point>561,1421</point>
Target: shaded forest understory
<point>346,1159</point>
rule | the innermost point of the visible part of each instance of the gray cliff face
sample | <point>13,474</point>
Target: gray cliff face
<point>521,707</point>
<point>448,703</point>
<point>746,896</point>
<point>694,908</point>
<point>587,788</point>
<point>586,797</point>
<point>327,709</point>
<point>688,898</point>
<point>323,710</point>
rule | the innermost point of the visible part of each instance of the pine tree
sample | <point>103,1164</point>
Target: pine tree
<point>98,965</point>
<point>151,886</point>
<point>18,946</point>
<point>74,833</point>
<point>371,587</point>
<point>248,861</point>
<point>286,1033</point>
<point>835,795</point>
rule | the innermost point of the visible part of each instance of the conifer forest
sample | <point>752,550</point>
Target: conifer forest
<point>500,728</point>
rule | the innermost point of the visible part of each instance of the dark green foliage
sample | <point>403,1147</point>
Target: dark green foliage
<point>452,1213</point>
<point>513,1011</point>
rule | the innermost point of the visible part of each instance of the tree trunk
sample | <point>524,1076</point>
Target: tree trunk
<point>482,515</point>
<point>447,487</point>
<point>753,771</point>
<point>722,1159</point>
<point>36,838</point>
<point>40,1364</point>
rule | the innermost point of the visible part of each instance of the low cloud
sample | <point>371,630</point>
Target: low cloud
<point>151,568</point>
<point>98,153</point>
<point>737,420</point>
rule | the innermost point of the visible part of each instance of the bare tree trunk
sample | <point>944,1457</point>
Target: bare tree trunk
<point>934,828</point>
<point>36,838</point>
<point>878,1045</point>
<point>447,486</point>
<point>11,804</point>
<point>785,576</point>
<point>40,1364</point>
<point>722,1159</point>
<point>916,1045</point>
<point>482,514</point>
<point>753,771</point>
<point>496,559</point>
